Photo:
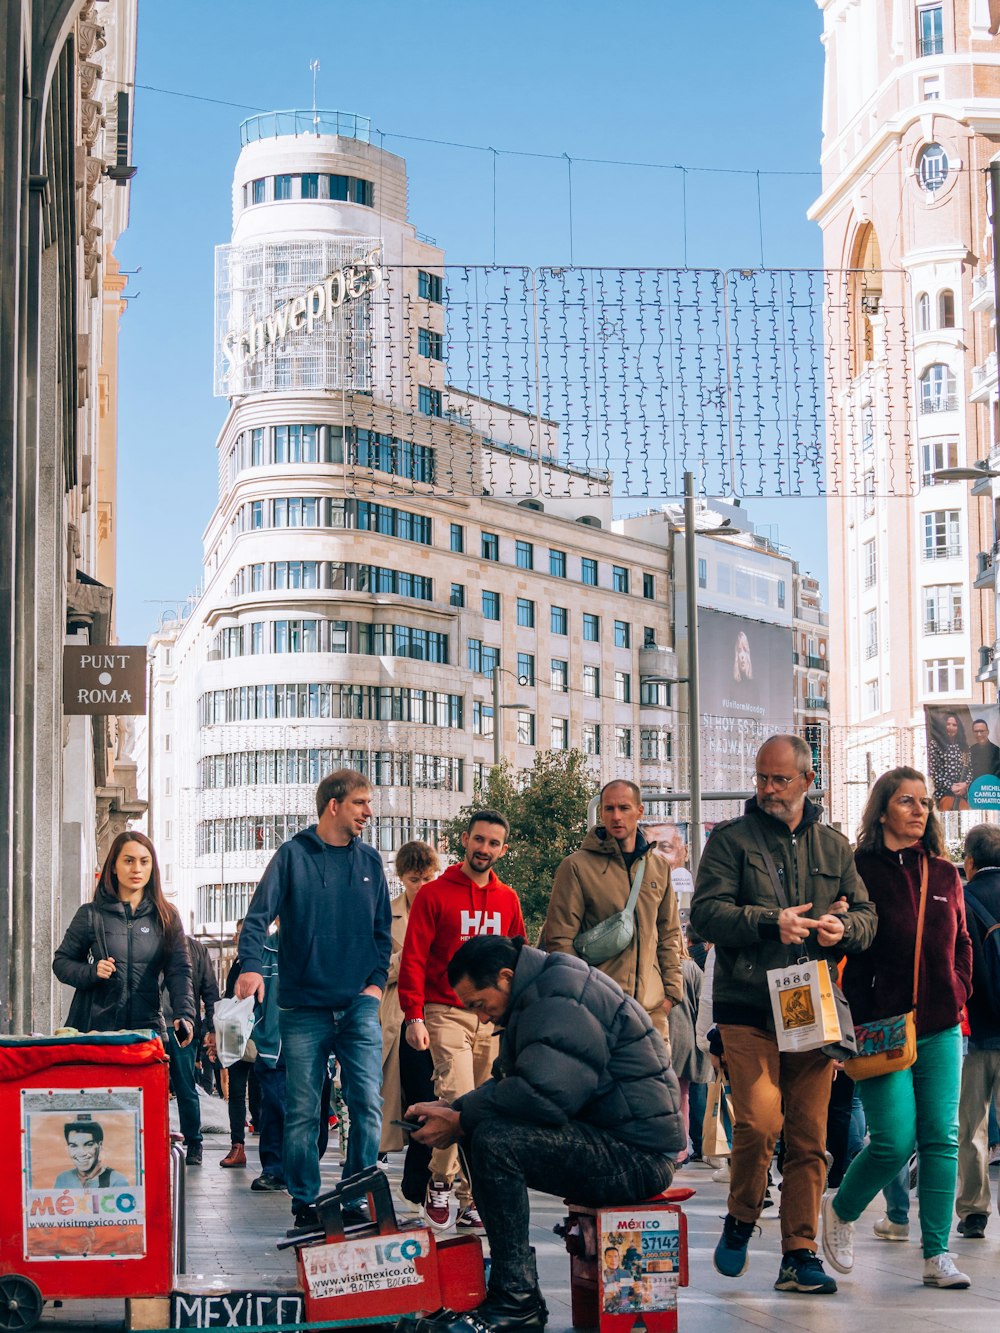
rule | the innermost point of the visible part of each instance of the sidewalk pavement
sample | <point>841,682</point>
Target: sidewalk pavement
<point>232,1233</point>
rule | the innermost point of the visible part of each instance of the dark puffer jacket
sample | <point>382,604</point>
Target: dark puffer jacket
<point>573,1046</point>
<point>130,997</point>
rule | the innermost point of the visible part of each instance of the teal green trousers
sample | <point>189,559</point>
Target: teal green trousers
<point>915,1109</point>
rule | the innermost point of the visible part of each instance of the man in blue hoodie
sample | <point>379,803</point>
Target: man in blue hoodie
<point>329,889</point>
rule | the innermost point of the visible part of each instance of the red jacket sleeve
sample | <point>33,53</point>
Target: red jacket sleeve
<point>420,931</point>
<point>517,926</point>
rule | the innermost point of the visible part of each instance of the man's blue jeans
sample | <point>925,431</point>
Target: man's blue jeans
<point>308,1038</point>
<point>182,1082</point>
<point>272,1118</point>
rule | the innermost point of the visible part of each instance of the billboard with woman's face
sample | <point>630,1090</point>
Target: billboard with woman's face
<point>963,757</point>
<point>746,694</point>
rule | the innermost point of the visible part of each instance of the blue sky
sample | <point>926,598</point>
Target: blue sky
<point>724,89</point>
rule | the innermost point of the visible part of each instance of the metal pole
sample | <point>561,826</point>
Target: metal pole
<point>694,709</point>
<point>497,714</point>
<point>149,753</point>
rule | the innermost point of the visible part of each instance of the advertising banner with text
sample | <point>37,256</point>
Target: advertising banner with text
<point>963,756</point>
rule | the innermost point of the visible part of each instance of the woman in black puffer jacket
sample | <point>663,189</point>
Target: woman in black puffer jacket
<point>119,946</point>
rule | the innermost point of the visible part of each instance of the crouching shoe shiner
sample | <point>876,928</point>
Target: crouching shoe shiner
<point>582,1104</point>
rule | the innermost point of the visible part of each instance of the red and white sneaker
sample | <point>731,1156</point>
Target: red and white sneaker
<point>440,1206</point>
<point>470,1222</point>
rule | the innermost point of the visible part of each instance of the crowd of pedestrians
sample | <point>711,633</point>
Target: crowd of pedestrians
<point>583,1066</point>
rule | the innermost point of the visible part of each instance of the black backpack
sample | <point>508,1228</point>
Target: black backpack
<point>991,950</point>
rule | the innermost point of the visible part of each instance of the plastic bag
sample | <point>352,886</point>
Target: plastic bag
<point>234,1025</point>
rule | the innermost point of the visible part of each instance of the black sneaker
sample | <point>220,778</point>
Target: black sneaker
<point>801,1270</point>
<point>305,1216</point>
<point>973,1227</point>
<point>357,1215</point>
<point>194,1154</point>
<point>730,1256</point>
<point>265,1181</point>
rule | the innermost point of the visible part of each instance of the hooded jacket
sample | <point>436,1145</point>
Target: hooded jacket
<point>335,922</point>
<point>879,984</point>
<point>735,907</point>
<point>445,913</point>
<point>984,1020</point>
<point>130,997</point>
<point>574,1047</point>
<point>591,885</point>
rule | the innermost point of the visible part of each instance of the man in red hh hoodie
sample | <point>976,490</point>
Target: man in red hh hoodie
<point>466,900</point>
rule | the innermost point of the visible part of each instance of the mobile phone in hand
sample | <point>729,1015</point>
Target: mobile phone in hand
<point>408,1126</point>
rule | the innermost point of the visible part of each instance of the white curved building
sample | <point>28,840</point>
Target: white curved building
<point>378,545</point>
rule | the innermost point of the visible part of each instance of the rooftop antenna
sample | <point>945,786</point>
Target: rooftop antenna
<point>314,66</point>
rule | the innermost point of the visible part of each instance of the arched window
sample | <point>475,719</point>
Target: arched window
<point>865,295</point>
<point>946,309</point>
<point>923,312</point>
<point>932,167</point>
<point>937,389</point>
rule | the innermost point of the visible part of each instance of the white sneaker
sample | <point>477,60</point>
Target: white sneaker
<point>838,1238</point>
<point>940,1271</point>
<point>886,1230</point>
<point>440,1206</point>
<point>721,1176</point>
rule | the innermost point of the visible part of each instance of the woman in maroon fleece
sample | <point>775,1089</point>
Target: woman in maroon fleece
<point>915,1108</point>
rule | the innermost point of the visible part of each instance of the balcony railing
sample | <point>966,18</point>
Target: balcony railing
<point>985,372</point>
<point>816,703</point>
<point>935,626</point>
<point>931,46</point>
<point>945,552</point>
<point>940,402</point>
<point>275,124</point>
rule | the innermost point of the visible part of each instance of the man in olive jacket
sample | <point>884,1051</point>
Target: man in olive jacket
<point>592,884</point>
<point>582,1102</point>
<point>736,908</point>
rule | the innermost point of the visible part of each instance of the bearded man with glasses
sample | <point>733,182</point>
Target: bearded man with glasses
<point>737,908</point>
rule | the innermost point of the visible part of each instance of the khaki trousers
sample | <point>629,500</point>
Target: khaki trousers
<point>980,1085</point>
<point>463,1050</point>
<point>763,1079</point>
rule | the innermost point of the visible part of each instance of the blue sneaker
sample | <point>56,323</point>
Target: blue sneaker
<point>730,1256</point>
<point>801,1270</point>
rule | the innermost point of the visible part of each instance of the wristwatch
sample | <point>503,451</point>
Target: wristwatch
<point>410,1021</point>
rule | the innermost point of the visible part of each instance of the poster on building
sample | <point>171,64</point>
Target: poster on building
<point>81,1165</point>
<point>745,674</point>
<point>963,756</point>
<point>639,1261</point>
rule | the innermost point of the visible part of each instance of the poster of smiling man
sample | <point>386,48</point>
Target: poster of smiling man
<point>82,1173</point>
<point>963,757</point>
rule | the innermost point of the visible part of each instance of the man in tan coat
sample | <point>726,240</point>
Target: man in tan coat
<point>594,883</point>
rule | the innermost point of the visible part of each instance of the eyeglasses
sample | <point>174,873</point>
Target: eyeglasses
<point>777,780</point>
<point>911,802</point>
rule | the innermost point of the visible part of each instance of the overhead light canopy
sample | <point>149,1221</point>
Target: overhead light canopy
<point>964,473</point>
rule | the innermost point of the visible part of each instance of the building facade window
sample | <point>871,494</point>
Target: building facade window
<point>623,634</point>
<point>588,571</point>
<point>430,344</point>
<point>932,167</point>
<point>526,669</point>
<point>942,534</point>
<point>937,389</point>
<point>591,627</point>
<point>559,734</point>
<point>525,728</point>
<point>423,645</point>
<point>871,634</point>
<point>557,564</point>
<point>944,675</point>
<point>559,676</point>
<point>623,687</point>
<point>362,703</point>
<point>401,523</point>
<point>946,309</point>
<point>943,609</point>
<point>702,572</point>
<point>923,312</point>
<point>648,587</point>
<point>592,681</point>
<point>429,286</point>
<point>457,538</point>
<point>386,453</point>
<point>619,578</point>
<point>930,30</point>
<point>491,605</point>
<point>490,546</point>
<point>429,401</point>
<point>558,620</point>
<point>591,738</point>
<point>623,742</point>
<point>655,744</point>
<point>934,456</point>
<point>526,613</point>
<point>870,693</point>
<point>781,594</point>
<point>482,657</point>
<point>869,563</point>
<point>482,718</point>
<point>654,693</point>
<point>457,597</point>
<point>524,555</point>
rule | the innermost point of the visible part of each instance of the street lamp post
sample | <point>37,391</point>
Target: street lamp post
<point>694,710</point>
